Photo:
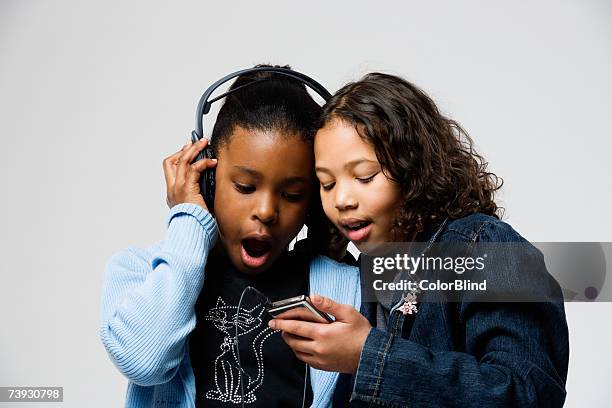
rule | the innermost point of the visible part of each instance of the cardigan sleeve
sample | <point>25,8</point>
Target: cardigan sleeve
<point>149,296</point>
<point>340,282</point>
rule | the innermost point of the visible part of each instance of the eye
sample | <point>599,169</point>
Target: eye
<point>328,186</point>
<point>244,188</point>
<point>293,197</point>
<point>366,180</point>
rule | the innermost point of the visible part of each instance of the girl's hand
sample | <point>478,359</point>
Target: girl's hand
<point>182,177</point>
<point>327,346</point>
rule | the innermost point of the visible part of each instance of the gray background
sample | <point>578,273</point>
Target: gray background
<point>93,95</point>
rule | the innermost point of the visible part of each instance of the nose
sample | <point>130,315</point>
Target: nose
<point>345,199</point>
<point>266,208</point>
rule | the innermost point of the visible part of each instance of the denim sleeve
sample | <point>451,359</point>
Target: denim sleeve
<point>507,354</point>
<point>506,363</point>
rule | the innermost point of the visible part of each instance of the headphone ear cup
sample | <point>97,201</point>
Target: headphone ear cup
<point>207,179</point>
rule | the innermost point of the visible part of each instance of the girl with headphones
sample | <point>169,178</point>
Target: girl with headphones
<point>177,318</point>
<point>392,168</point>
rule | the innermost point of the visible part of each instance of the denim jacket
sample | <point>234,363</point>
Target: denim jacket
<point>467,354</point>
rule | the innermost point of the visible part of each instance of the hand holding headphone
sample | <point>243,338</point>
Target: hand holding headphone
<point>182,176</point>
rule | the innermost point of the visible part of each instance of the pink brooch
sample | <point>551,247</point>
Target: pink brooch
<point>409,306</point>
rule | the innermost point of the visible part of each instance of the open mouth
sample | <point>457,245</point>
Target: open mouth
<point>256,247</point>
<point>356,226</point>
<point>255,251</point>
<point>356,230</point>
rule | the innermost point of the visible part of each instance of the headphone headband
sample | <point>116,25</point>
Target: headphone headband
<point>204,104</point>
<point>207,179</point>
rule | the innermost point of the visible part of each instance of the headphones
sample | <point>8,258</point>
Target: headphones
<point>207,179</point>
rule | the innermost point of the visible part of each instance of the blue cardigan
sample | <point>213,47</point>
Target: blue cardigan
<point>148,310</point>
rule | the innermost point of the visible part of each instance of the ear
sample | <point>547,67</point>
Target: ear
<point>220,303</point>
<point>261,308</point>
<point>244,309</point>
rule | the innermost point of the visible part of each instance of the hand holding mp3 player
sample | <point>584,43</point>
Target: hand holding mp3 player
<point>332,346</point>
<point>298,308</point>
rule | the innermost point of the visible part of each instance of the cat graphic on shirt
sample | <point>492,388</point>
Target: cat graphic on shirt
<point>227,370</point>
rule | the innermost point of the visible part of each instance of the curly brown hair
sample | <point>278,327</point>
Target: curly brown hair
<point>430,156</point>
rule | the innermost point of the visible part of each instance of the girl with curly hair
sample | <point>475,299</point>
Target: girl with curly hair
<point>392,168</point>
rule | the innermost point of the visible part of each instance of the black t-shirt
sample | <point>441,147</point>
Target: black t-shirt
<point>272,376</point>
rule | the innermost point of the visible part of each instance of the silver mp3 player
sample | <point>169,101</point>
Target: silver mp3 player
<point>295,303</point>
